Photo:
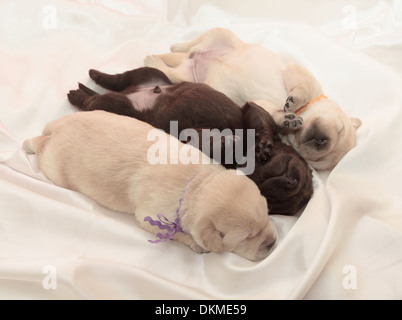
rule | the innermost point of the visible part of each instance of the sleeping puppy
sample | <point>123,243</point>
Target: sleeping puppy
<point>286,172</point>
<point>147,94</point>
<point>246,72</point>
<point>108,158</point>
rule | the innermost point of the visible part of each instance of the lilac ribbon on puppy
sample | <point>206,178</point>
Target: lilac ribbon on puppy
<point>172,227</point>
<point>164,224</point>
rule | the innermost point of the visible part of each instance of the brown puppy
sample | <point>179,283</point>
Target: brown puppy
<point>286,172</point>
<point>148,95</point>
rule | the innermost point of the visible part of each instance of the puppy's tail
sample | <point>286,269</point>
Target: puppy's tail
<point>34,145</point>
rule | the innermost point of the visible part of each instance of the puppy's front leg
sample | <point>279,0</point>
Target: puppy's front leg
<point>188,240</point>
<point>286,122</point>
<point>301,87</point>
<point>255,117</point>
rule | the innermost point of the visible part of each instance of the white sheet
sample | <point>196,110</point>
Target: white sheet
<point>58,244</point>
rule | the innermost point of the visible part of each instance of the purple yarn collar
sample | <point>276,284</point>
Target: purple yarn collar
<point>163,223</point>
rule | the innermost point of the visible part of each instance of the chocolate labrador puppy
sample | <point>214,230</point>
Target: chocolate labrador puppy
<point>146,94</point>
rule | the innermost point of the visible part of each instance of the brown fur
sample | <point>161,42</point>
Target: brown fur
<point>287,183</point>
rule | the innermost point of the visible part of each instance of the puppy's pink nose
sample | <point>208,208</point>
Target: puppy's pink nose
<point>270,240</point>
<point>271,235</point>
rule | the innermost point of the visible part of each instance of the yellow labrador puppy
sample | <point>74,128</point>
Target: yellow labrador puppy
<point>114,160</point>
<point>247,72</point>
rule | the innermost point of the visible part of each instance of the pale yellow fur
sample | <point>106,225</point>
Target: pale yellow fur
<point>247,72</point>
<point>104,156</point>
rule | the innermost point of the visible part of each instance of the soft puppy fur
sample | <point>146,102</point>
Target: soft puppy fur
<point>286,171</point>
<point>248,72</point>
<point>147,94</point>
<point>106,157</point>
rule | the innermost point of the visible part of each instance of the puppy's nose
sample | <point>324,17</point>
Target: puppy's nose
<point>271,235</point>
<point>292,182</point>
<point>271,243</point>
<point>320,142</point>
<point>270,240</point>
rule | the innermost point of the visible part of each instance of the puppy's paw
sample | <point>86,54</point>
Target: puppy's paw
<point>291,122</point>
<point>292,103</point>
<point>153,61</point>
<point>178,47</point>
<point>77,97</point>
<point>187,239</point>
<point>263,149</point>
<point>198,249</point>
<point>94,74</point>
<point>295,100</point>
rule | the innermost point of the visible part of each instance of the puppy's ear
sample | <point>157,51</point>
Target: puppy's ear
<point>210,237</point>
<point>233,237</point>
<point>356,123</point>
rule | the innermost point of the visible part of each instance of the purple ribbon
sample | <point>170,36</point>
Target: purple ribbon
<point>163,223</point>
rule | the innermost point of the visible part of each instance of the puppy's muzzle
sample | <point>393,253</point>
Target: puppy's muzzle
<point>316,138</point>
<point>270,241</point>
<point>272,244</point>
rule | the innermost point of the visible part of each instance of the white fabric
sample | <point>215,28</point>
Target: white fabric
<point>347,244</point>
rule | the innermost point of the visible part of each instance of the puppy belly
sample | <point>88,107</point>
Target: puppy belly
<point>144,99</point>
<point>201,62</point>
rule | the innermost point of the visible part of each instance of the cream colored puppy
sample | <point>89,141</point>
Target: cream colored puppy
<point>247,72</point>
<point>108,158</point>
